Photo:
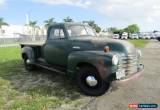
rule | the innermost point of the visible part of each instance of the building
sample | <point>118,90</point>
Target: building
<point>16,31</point>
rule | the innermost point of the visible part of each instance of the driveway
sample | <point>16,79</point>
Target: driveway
<point>144,90</point>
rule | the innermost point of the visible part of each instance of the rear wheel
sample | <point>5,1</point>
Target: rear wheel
<point>90,81</point>
<point>28,65</point>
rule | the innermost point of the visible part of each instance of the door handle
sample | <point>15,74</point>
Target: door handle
<point>76,47</point>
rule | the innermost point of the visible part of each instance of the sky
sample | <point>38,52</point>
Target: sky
<point>106,13</point>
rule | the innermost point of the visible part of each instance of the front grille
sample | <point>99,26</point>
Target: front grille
<point>128,63</point>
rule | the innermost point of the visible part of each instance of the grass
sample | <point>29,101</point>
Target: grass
<point>139,43</point>
<point>38,90</point>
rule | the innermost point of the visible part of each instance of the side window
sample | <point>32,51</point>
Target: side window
<point>56,33</point>
<point>51,33</point>
<point>61,33</point>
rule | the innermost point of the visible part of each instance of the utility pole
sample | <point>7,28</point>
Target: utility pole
<point>27,24</point>
<point>27,19</point>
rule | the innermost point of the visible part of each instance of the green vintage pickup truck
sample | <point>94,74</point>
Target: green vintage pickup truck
<point>94,62</point>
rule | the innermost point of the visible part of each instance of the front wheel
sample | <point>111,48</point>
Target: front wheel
<point>28,65</point>
<point>90,81</point>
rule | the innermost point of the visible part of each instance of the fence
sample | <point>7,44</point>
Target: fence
<point>5,40</point>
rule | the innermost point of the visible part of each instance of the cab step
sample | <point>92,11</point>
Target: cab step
<point>42,63</point>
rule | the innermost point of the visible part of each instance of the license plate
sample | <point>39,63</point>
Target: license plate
<point>120,74</point>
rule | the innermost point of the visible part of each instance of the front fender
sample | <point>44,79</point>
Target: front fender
<point>101,62</point>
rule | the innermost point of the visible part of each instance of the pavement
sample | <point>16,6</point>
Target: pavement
<point>144,90</point>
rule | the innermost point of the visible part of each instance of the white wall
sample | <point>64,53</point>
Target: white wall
<point>14,31</point>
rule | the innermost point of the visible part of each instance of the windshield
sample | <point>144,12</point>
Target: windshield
<point>80,31</point>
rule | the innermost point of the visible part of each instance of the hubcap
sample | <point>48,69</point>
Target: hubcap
<point>91,81</point>
<point>28,61</point>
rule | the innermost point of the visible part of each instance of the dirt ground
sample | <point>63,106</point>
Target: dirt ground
<point>144,90</point>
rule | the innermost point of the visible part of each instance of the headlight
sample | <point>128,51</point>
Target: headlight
<point>115,60</point>
<point>139,53</point>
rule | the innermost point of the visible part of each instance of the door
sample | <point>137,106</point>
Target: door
<point>57,47</point>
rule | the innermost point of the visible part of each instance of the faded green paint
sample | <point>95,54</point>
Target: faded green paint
<point>90,50</point>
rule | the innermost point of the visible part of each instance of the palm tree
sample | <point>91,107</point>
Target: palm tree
<point>32,23</point>
<point>2,23</point>
<point>49,22</point>
<point>33,26</point>
<point>68,19</point>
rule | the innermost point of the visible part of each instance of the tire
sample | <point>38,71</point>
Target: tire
<point>158,38</point>
<point>99,89</point>
<point>29,67</point>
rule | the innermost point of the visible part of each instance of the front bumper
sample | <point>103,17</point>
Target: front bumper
<point>130,78</point>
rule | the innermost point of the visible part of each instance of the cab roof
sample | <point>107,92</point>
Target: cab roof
<point>68,23</point>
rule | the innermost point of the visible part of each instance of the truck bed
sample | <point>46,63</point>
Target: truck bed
<point>37,48</point>
<point>32,44</point>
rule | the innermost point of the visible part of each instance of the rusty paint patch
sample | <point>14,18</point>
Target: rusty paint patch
<point>102,69</point>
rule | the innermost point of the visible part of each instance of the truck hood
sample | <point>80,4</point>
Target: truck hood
<point>98,43</point>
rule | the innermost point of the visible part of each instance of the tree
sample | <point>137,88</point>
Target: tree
<point>68,19</point>
<point>33,25</point>
<point>112,29</point>
<point>98,29</point>
<point>134,28</point>
<point>49,22</point>
<point>119,31</point>
<point>93,25</point>
<point>115,30</point>
<point>2,23</point>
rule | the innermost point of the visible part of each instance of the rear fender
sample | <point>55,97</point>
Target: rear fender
<point>29,52</point>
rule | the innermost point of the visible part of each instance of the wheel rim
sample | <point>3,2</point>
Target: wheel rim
<point>28,62</point>
<point>91,81</point>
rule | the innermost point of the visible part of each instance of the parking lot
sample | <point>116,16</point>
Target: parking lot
<point>144,90</point>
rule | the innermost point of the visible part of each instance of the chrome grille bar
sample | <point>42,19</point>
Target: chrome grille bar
<point>128,63</point>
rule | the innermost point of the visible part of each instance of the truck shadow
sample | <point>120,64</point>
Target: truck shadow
<point>39,82</point>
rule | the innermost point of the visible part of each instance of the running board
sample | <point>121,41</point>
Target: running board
<point>50,68</point>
